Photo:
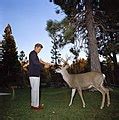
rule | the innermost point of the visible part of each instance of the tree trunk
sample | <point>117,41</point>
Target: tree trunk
<point>93,49</point>
<point>115,69</point>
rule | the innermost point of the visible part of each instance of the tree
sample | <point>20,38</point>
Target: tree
<point>108,48</point>
<point>52,30</point>
<point>21,56</point>
<point>85,16</point>
<point>10,57</point>
<point>80,66</point>
<point>74,12</point>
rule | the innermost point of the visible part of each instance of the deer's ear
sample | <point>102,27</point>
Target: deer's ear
<point>67,66</point>
<point>62,60</point>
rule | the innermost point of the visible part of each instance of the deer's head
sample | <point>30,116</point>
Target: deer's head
<point>63,67</point>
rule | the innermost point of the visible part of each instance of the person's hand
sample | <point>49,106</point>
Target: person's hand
<point>47,65</point>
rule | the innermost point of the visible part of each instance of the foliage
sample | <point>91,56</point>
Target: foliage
<point>52,28</point>
<point>22,55</point>
<point>82,23</point>
<point>10,57</point>
<point>62,33</point>
<point>103,17</point>
<point>79,66</point>
<point>108,45</point>
<point>24,68</point>
<point>109,48</point>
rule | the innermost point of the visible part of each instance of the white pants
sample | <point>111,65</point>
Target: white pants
<point>35,83</point>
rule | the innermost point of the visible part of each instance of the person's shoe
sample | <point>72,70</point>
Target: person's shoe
<point>38,108</point>
<point>35,108</point>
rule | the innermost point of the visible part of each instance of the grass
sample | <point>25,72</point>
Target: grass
<point>56,106</point>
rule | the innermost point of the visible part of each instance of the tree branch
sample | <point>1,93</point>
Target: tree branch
<point>106,29</point>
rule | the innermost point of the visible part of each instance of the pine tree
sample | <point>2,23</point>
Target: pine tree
<point>10,57</point>
<point>85,16</point>
<point>21,56</point>
<point>52,30</point>
<point>55,53</point>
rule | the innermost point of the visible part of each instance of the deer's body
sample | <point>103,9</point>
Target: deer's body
<point>83,81</point>
<point>89,79</point>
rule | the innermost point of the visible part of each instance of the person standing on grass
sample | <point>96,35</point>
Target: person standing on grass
<point>35,68</point>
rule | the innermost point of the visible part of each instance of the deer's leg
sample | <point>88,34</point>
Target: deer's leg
<point>80,93</point>
<point>103,96</point>
<point>72,96</point>
<point>108,96</point>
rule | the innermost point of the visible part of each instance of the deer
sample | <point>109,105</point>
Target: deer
<point>83,81</point>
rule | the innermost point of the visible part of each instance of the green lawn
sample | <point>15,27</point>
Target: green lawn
<point>56,106</point>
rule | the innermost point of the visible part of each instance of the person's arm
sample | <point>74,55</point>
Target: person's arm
<point>42,62</point>
<point>46,65</point>
<point>34,59</point>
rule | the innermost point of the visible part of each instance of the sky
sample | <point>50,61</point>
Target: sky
<point>28,20</point>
